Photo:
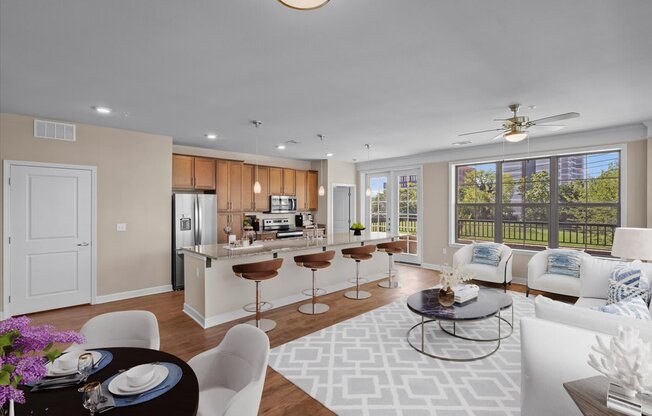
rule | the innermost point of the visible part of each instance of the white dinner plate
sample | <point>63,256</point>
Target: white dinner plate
<point>120,387</point>
<point>55,371</point>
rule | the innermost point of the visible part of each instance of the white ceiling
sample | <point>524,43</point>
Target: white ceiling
<point>405,76</point>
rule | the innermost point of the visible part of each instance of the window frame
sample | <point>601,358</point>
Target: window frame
<point>553,205</point>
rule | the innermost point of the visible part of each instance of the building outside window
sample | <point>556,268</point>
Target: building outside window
<point>558,201</point>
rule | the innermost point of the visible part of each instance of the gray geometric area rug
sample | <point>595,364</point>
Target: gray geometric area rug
<point>365,367</point>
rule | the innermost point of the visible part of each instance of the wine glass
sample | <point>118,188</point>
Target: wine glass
<point>85,365</point>
<point>92,396</point>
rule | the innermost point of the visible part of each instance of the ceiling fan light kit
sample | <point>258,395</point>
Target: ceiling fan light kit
<point>303,4</point>
<point>515,128</point>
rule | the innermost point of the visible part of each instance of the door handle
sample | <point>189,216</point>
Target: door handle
<point>84,244</point>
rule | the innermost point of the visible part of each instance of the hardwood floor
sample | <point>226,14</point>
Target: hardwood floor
<point>182,337</point>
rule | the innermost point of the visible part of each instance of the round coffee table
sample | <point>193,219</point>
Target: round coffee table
<point>488,304</point>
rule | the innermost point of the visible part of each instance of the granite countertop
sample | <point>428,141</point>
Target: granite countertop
<point>219,251</point>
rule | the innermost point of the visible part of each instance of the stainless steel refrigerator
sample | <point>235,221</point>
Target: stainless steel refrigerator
<point>194,222</point>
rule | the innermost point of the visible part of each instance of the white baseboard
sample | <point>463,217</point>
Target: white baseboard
<point>132,294</point>
<point>432,266</point>
<point>196,316</point>
<point>239,313</point>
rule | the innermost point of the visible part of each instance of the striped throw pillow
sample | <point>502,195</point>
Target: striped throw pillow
<point>487,253</point>
<point>634,308</point>
<point>628,282</point>
<point>565,262</point>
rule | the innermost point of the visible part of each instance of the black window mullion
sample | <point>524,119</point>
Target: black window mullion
<point>553,216</point>
<point>498,208</point>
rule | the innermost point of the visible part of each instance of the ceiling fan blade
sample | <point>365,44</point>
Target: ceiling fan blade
<point>558,117</point>
<point>545,127</point>
<point>482,131</point>
<point>500,136</point>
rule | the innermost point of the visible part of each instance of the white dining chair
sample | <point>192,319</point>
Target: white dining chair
<point>232,375</point>
<point>121,329</point>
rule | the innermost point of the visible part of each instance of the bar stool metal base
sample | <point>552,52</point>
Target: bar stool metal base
<point>314,308</point>
<point>357,294</point>
<point>264,325</point>
<point>390,284</point>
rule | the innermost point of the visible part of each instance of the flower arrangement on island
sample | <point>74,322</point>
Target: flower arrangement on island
<point>24,352</point>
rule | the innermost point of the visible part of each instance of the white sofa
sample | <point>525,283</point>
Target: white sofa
<point>555,345</point>
<point>538,277</point>
<point>500,274</point>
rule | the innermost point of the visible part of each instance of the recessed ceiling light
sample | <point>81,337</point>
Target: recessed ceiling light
<point>462,143</point>
<point>211,136</point>
<point>280,146</point>
<point>102,110</point>
<point>329,154</point>
<point>531,107</point>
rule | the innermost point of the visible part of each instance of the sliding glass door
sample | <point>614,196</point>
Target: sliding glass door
<point>379,219</point>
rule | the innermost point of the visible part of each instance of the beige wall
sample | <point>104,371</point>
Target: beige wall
<point>246,157</point>
<point>436,203</point>
<point>133,187</point>
<point>649,182</point>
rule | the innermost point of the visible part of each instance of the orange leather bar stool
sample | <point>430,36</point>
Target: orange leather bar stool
<point>358,254</point>
<point>391,248</point>
<point>258,272</point>
<point>314,262</point>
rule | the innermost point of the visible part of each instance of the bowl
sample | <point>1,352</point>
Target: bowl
<point>139,375</point>
<point>68,361</point>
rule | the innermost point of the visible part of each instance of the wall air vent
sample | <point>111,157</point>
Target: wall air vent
<point>54,130</point>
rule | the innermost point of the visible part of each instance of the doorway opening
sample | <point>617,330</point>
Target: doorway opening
<point>343,207</point>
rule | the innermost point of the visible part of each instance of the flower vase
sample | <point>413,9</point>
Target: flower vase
<point>446,296</point>
<point>8,409</point>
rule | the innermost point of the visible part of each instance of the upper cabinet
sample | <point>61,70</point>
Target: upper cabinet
<point>248,204</point>
<point>261,200</point>
<point>300,184</point>
<point>312,189</point>
<point>229,185</point>
<point>190,172</point>
<point>282,181</point>
<point>289,185</point>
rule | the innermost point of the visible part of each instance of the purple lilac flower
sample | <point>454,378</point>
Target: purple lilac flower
<point>29,366</point>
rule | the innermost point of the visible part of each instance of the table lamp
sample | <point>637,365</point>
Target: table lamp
<point>633,244</point>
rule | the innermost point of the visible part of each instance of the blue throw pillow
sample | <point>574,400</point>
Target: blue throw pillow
<point>628,282</point>
<point>634,308</point>
<point>487,253</point>
<point>566,262</point>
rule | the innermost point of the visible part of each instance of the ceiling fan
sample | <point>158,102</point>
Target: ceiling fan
<point>515,128</point>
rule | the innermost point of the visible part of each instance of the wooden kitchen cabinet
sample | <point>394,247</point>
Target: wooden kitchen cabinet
<point>312,190</point>
<point>248,172</point>
<point>182,171</point>
<point>261,200</point>
<point>300,184</point>
<point>275,181</point>
<point>204,173</point>
<point>231,219</point>
<point>189,172</point>
<point>229,185</point>
<point>289,184</point>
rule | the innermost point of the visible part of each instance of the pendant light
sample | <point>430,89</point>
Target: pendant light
<point>257,187</point>
<point>368,191</point>
<point>321,191</point>
<point>303,4</point>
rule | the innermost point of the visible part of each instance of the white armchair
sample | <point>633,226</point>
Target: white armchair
<point>232,375</point>
<point>538,277</point>
<point>496,274</point>
<point>121,329</point>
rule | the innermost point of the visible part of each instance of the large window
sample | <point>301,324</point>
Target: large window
<point>559,201</point>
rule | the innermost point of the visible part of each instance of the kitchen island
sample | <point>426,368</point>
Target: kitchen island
<point>214,295</point>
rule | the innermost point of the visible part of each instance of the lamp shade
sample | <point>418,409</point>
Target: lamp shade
<point>304,4</point>
<point>632,243</point>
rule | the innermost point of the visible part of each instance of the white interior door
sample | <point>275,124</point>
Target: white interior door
<point>50,227</point>
<point>342,208</point>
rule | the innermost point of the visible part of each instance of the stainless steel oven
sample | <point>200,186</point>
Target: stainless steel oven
<point>281,204</point>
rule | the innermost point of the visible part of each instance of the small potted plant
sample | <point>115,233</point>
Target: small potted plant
<point>357,228</point>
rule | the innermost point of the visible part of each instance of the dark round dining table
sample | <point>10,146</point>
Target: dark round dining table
<point>181,400</point>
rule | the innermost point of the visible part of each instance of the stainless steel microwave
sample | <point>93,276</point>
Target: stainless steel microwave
<point>281,204</point>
